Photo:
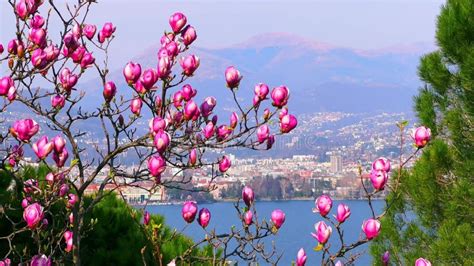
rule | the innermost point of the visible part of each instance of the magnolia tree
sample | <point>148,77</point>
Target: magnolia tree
<point>182,136</point>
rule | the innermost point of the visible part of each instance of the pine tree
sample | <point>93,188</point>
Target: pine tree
<point>433,213</point>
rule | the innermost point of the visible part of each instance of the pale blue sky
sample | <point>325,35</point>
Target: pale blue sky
<point>361,24</point>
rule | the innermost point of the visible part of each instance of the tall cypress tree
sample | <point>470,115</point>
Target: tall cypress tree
<point>433,213</point>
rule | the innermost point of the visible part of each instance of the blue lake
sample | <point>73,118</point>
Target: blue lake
<point>294,234</point>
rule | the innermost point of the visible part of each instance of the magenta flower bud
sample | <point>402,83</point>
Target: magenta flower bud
<point>138,86</point>
<point>68,79</point>
<point>323,232</point>
<point>188,92</point>
<point>109,91</point>
<point>101,37</point>
<point>371,228</point>
<point>248,195</point>
<point>24,203</point>
<point>164,67</point>
<point>223,132</point>
<point>209,130</point>
<point>378,179</point>
<point>87,60</point>
<point>156,165</point>
<point>59,143</point>
<point>204,217</point>
<point>49,178</point>
<point>288,123</point>
<point>280,96</point>
<point>323,205</point>
<point>386,258</point>
<point>270,141</point>
<point>37,22</point>
<point>261,91</point>
<point>207,106</point>
<point>278,218</point>
<point>70,42</point>
<point>189,211</point>
<point>214,119</point>
<point>1,49</point>
<point>177,21</point>
<point>177,118</point>
<point>11,94</point>
<point>167,38</point>
<point>381,164</point>
<point>224,164</point>
<point>422,262</point>
<point>263,132</point>
<point>172,48</point>
<point>266,114</point>
<point>188,35</point>
<point>256,101</point>
<point>283,112</point>
<point>38,59</point>
<point>107,30</point>
<point>42,147</point>
<point>190,110</point>
<point>343,212</point>
<point>63,190</point>
<point>146,218</point>
<point>72,200</point>
<point>78,54</point>
<point>5,84</point>
<point>234,119</point>
<point>232,77</point>
<point>248,216</point>
<point>132,72</point>
<point>177,99</point>
<point>61,157</point>
<point>40,260</point>
<point>422,136</point>
<point>24,129</point>
<point>161,141</point>
<point>301,257</point>
<point>52,52</point>
<point>30,186</point>
<point>136,106</point>
<point>89,31</point>
<point>189,64</point>
<point>58,101</point>
<point>77,30</point>
<point>38,37</point>
<point>22,10</point>
<point>192,157</point>
<point>149,78</point>
<point>33,214</point>
<point>68,238</point>
<point>157,124</point>
<point>13,46</point>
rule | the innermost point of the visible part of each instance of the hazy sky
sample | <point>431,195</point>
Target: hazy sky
<point>351,23</point>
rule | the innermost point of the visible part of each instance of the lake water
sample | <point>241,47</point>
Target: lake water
<point>295,233</point>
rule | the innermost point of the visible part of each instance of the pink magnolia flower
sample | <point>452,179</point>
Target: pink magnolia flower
<point>278,218</point>
<point>191,110</point>
<point>209,130</point>
<point>42,147</point>
<point>288,123</point>
<point>323,232</point>
<point>136,106</point>
<point>38,37</point>
<point>22,10</point>
<point>109,91</point>
<point>422,262</point>
<point>248,216</point>
<point>59,143</point>
<point>421,135</point>
<point>1,49</point>
<point>30,186</point>
<point>189,211</point>
<point>89,31</point>
<point>78,54</point>
<point>132,72</point>
<point>381,164</point>
<point>107,30</point>
<point>189,64</point>
<point>261,91</point>
<point>11,95</point>
<point>38,58</point>
<point>63,190</point>
<point>224,164</point>
<point>263,132</point>
<point>58,101</point>
<point>248,195</point>
<point>323,205</point>
<point>146,218</point>
<point>386,258</point>
<point>5,84</point>
<point>52,52</point>
<point>68,238</point>
<point>166,38</point>
<point>87,60</point>
<point>37,21</point>
<point>50,178</point>
<point>33,215</point>
<point>223,132</point>
<point>149,78</point>
<point>164,67</point>
<point>188,92</point>
<point>24,129</point>
<point>270,141</point>
<point>378,179</point>
<point>68,79</point>
<point>283,112</point>
<point>72,200</point>
<point>208,105</point>
<point>371,228</point>
<point>266,114</point>
<point>343,212</point>
<point>192,157</point>
<point>60,158</point>
<point>77,30</point>
<point>161,141</point>
<point>188,35</point>
<point>204,217</point>
<point>234,119</point>
<point>301,257</point>
<point>232,77</point>
<point>156,165</point>
<point>70,43</point>
<point>40,260</point>
<point>172,48</point>
<point>177,21</point>
<point>280,96</point>
<point>5,262</point>
<point>157,124</point>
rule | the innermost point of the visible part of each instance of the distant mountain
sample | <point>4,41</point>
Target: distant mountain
<point>321,77</point>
